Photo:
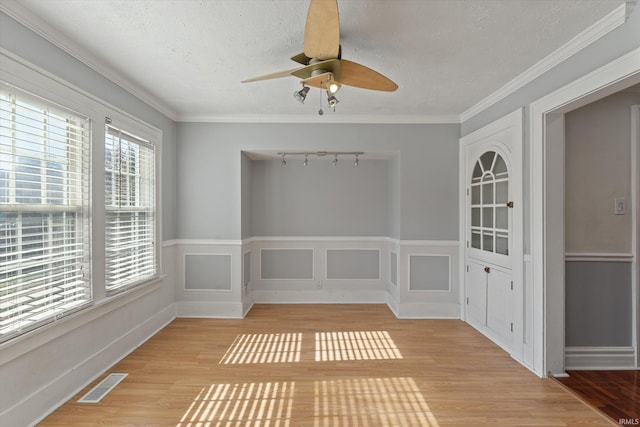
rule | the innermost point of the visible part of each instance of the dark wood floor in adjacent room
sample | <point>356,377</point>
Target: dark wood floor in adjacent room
<point>325,366</point>
<point>616,393</point>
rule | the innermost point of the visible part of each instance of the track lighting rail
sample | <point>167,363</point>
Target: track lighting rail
<point>334,154</point>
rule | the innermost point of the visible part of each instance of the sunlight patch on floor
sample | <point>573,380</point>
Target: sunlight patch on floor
<point>355,345</point>
<point>371,402</point>
<point>250,404</point>
<point>264,348</point>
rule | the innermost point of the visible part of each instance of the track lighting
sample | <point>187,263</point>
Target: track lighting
<point>321,154</point>
<point>301,94</point>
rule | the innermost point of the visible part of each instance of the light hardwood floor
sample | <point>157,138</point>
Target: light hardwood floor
<point>325,366</point>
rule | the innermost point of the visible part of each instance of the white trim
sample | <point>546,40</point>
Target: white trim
<point>577,358</point>
<point>352,239</point>
<point>207,242</point>
<point>635,221</point>
<point>316,239</point>
<point>601,82</point>
<point>426,310</point>
<point>314,118</point>
<point>605,25</point>
<point>34,23</point>
<point>598,257</point>
<point>211,310</point>
<point>429,242</point>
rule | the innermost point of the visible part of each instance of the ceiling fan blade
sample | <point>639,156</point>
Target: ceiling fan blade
<point>354,74</point>
<point>277,75</point>
<point>322,30</point>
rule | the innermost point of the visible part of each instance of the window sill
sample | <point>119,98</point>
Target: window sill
<point>30,341</point>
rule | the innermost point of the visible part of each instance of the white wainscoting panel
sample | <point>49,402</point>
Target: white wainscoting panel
<point>319,282</point>
<point>214,303</point>
<point>425,304</point>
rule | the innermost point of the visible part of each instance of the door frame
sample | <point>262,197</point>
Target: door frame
<point>547,207</point>
<point>512,122</point>
<point>635,230</point>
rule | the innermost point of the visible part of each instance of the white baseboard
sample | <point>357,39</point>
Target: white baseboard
<point>344,296</point>
<point>393,304</point>
<point>428,311</point>
<point>35,407</point>
<point>576,358</point>
<point>214,310</point>
<point>246,307</point>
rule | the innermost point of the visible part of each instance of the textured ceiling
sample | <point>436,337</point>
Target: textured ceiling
<point>188,57</point>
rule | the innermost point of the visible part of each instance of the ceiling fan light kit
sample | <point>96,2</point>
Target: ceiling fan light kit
<point>322,63</point>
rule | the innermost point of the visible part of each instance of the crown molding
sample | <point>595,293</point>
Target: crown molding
<point>332,118</point>
<point>18,12</point>
<point>605,25</point>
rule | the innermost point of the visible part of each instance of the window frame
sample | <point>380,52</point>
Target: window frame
<point>147,139</point>
<point>53,276</point>
<point>22,74</point>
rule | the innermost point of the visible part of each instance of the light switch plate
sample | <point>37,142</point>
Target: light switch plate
<point>620,206</point>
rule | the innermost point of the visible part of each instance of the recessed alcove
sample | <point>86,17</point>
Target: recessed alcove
<point>317,199</point>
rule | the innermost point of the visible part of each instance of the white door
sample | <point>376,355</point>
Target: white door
<point>490,249</point>
<point>489,242</point>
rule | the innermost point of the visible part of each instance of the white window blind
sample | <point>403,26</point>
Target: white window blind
<point>44,206</point>
<point>130,216</point>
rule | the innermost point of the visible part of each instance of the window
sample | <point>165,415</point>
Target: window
<point>44,207</point>
<point>489,204</point>
<point>130,210</point>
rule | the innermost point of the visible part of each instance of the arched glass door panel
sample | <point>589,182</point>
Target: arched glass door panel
<point>489,204</point>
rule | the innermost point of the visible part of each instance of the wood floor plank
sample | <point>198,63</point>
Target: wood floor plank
<point>325,366</point>
<point>615,393</point>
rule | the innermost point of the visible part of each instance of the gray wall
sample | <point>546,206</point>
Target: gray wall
<point>320,199</point>
<point>33,48</point>
<point>598,170</point>
<point>598,304</point>
<point>393,197</point>
<point>598,309</point>
<point>246,167</point>
<point>424,205</point>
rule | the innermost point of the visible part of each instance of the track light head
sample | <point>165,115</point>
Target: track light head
<point>284,162</point>
<point>306,160</point>
<point>357,162</point>
<point>301,94</point>
<point>335,160</point>
<point>332,100</point>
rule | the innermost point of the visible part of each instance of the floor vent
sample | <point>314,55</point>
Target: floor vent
<point>105,386</point>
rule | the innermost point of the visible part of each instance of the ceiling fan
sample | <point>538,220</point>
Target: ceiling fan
<point>322,63</point>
